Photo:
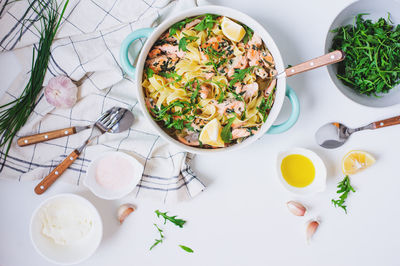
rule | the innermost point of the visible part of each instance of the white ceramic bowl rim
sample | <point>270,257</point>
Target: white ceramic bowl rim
<point>97,219</point>
<point>319,182</point>
<point>243,18</point>
<point>91,183</point>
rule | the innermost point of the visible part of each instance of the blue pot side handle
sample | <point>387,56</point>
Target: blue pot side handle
<point>285,126</point>
<point>124,50</point>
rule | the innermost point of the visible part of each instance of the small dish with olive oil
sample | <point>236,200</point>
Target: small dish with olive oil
<point>301,171</point>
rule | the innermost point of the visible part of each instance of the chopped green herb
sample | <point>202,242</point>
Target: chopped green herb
<point>249,34</point>
<point>371,66</point>
<point>149,72</point>
<point>344,187</point>
<point>158,241</point>
<point>240,74</point>
<point>187,249</point>
<point>168,75</point>
<point>183,42</point>
<point>172,219</point>
<point>207,22</point>
<point>266,105</point>
<point>226,133</point>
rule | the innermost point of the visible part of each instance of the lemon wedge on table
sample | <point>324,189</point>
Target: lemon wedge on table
<point>211,134</point>
<point>355,161</point>
<point>232,30</point>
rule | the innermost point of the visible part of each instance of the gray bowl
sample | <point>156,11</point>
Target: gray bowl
<point>376,9</point>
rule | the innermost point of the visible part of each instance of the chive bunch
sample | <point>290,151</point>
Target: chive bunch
<point>14,114</point>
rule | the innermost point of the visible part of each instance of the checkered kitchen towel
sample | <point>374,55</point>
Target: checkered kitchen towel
<point>88,44</point>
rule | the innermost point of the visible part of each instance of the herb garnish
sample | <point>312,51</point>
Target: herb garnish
<point>371,66</point>
<point>226,133</point>
<point>149,72</point>
<point>13,115</point>
<point>249,34</point>
<point>172,75</point>
<point>172,219</point>
<point>207,23</point>
<point>240,74</point>
<point>344,187</point>
<point>266,105</point>
<point>184,41</point>
<point>158,241</point>
<point>187,249</point>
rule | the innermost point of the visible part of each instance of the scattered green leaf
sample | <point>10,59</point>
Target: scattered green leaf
<point>158,241</point>
<point>183,42</point>
<point>172,219</point>
<point>344,187</point>
<point>187,249</point>
<point>226,133</point>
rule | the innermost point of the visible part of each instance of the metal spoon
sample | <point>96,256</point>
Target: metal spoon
<point>115,120</point>
<point>334,135</point>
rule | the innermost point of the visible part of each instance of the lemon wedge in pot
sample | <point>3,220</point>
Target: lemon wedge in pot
<point>232,30</point>
<point>355,161</point>
<point>211,134</point>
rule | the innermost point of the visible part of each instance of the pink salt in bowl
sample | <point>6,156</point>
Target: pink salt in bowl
<point>113,175</point>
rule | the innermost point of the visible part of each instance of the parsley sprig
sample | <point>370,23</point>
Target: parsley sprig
<point>344,187</point>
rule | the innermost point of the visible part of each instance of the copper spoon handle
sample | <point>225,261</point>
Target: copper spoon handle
<point>28,140</point>
<point>387,122</point>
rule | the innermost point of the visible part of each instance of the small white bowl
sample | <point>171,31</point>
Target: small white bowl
<point>319,182</point>
<point>100,191</point>
<point>66,254</point>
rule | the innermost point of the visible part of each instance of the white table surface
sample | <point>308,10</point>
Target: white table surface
<point>241,218</point>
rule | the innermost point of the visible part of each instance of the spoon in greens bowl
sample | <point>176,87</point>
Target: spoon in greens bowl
<point>333,135</point>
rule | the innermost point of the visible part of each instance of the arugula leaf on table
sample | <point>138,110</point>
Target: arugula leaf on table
<point>187,249</point>
<point>226,133</point>
<point>172,219</point>
<point>345,188</point>
<point>158,241</point>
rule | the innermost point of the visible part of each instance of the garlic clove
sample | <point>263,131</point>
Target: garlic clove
<point>296,208</point>
<point>61,92</point>
<point>124,210</point>
<point>312,227</point>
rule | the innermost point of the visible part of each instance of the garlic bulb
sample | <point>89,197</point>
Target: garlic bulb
<point>124,210</point>
<point>296,208</point>
<point>312,226</point>
<point>61,92</point>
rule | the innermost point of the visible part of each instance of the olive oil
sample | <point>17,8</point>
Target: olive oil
<point>298,170</point>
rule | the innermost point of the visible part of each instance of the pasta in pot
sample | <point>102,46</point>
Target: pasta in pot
<point>207,81</point>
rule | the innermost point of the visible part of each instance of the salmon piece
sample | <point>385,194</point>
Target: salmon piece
<point>255,40</point>
<point>154,53</point>
<point>270,87</point>
<point>166,37</point>
<point>192,24</point>
<point>239,62</point>
<point>230,105</point>
<point>209,75</point>
<point>242,133</point>
<point>212,42</point>
<point>254,57</point>
<point>170,49</point>
<point>205,90</point>
<point>248,91</point>
<point>162,63</point>
<point>150,105</point>
<point>192,139</point>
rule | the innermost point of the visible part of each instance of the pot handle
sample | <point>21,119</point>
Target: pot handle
<point>285,126</point>
<point>124,50</point>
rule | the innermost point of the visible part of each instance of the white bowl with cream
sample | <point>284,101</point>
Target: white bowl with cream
<point>66,229</point>
<point>113,175</point>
